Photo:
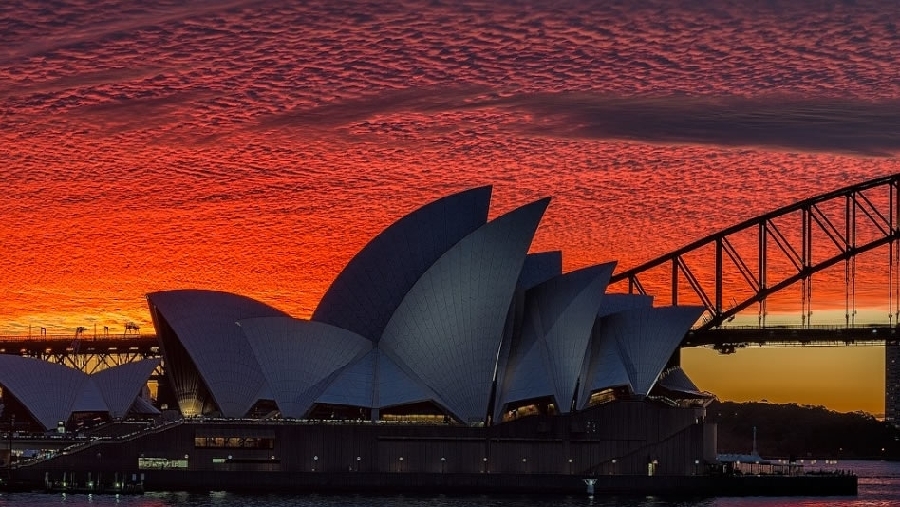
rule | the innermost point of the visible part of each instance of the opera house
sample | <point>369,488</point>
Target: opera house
<point>443,347</point>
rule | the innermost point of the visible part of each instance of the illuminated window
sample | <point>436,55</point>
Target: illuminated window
<point>161,463</point>
<point>234,443</point>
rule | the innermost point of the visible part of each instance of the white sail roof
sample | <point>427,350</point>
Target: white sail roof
<point>646,339</point>
<point>142,406</point>
<point>355,384</point>
<point>567,329</point>
<point>559,315</point>
<point>525,376</point>
<point>396,387</point>
<point>52,392</point>
<point>301,357</point>
<point>602,366</point>
<point>375,381</point>
<point>370,288</point>
<point>120,385</point>
<point>89,398</point>
<point>448,328</point>
<point>49,391</point>
<point>435,308</point>
<point>540,267</point>
<point>676,379</point>
<point>605,369</point>
<point>204,322</point>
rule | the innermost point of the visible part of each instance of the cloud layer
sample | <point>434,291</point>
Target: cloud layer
<point>255,147</point>
<point>824,125</point>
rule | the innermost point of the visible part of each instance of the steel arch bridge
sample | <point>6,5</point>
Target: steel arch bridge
<point>787,247</point>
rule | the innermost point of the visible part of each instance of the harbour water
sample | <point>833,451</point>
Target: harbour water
<point>879,485</point>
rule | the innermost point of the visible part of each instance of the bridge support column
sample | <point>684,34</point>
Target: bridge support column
<point>892,382</point>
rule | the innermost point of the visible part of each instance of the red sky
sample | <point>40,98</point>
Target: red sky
<point>242,147</point>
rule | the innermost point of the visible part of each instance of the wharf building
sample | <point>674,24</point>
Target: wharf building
<point>443,347</point>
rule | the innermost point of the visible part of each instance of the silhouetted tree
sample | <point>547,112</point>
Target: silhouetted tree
<point>802,431</point>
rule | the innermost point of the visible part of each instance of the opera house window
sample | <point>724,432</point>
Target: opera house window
<point>234,443</point>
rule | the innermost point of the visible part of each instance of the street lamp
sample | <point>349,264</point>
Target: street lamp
<point>401,463</point>
<point>358,458</point>
<point>12,425</point>
<point>443,463</point>
<point>613,466</point>
<point>315,462</point>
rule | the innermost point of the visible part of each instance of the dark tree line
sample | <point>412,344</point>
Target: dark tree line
<point>802,431</point>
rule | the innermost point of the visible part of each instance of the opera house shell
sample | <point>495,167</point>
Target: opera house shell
<point>444,316</point>
<point>52,394</point>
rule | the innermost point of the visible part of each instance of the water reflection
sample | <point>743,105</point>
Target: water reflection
<point>879,485</point>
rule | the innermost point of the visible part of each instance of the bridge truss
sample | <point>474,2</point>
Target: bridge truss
<point>746,264</point>
<point>86,353</point>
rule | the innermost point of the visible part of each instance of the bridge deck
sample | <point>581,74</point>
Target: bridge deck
<point>725,339</point>
<point>62,344</point>
<point>729,338</point>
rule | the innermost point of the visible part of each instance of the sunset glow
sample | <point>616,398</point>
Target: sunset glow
<point>242,147</point>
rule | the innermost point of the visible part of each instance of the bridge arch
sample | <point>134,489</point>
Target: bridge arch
<point>825,230</point>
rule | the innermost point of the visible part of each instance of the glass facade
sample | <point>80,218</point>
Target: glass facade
<point>233,443</point>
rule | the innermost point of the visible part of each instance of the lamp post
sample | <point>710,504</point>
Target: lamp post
<point>99,470</point>
<point>614,466</point>
<point>443,464</point>
<point>401,463</point>
<point>315,462</point>
<point>358,459</point>
<point>12,424</point>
